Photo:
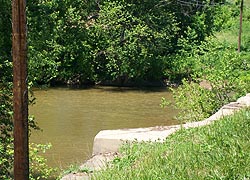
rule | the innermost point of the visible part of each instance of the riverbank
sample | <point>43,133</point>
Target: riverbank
<point>146,135</point>
<point>218,151</point>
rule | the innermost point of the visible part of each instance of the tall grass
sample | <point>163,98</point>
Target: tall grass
<point>230,31</point>
<point>218,151</point>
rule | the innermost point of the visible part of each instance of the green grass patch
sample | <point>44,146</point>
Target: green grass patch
<point>230,31</point>
<point>218,151</point>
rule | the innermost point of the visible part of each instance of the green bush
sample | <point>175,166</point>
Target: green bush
<point>6,131</point>
<point>194,102</point>
<point>132,43</point>
<point>38,167</point>
<point>226,77</point>
<point>38,164</point>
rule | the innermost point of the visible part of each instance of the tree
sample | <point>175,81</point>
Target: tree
<point>58,48</point>
<point>20,90</point>
<point>130,40</point>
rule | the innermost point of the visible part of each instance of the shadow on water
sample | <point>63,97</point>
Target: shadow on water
<point>144,89</point>
<point>137,89</point>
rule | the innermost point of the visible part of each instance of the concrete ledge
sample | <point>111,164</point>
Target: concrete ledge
<point>95,163</point>
<point>110,140</point>
<point>107,142</point>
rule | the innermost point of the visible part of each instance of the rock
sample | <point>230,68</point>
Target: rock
<point>111,140</point>
<point>245,100</point>
<point>99,161</point>
<point>95,163</point>
<point>76,176</point>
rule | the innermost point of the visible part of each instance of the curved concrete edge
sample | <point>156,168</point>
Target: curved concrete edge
<point>111,140</point>
<point>77,176</point>
<point>95,163</point>
<point>108,142</point>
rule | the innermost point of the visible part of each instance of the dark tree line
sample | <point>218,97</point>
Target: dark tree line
<point>76,42</point>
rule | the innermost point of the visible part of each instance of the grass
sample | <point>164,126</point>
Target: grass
<point>217,151</point>
<point>230,32</point>
<point>74,169</point>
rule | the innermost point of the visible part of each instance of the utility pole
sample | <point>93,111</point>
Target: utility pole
<point>20,90</point>
<point>240,30</point>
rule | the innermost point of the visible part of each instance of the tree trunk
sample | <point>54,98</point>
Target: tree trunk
<point>20,91</point>
<point>240,30</point>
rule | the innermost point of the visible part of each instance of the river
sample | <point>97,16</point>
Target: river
<point>70,118</point>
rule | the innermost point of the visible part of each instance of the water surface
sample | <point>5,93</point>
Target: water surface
<point>70,118</point>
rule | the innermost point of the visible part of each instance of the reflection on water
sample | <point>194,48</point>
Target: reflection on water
<point>70,118</point>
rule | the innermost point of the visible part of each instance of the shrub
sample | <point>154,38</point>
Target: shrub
<point>226,74</point>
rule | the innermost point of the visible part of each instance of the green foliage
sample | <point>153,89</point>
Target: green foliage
<point>57,40</point>
<point>5,30</point>
<point>6,129</point>
<point>6,153</point>
<point>229,25</point>
<point>130,43</point>
<point>75,168</point>
<point>184,62</point>
<point>217,151</point>
<point>215,74</point>
<point>38,167</point>
<point>74,41</point>
<point>6,124</point>
<point>5,42</point>
<point>219,76</point>
<point>227,17</point>
<point>136,40</point>
<point>194,102</point>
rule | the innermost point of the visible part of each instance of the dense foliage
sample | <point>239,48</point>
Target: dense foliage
<point>6,125</point>
<point>218,73</point>
<point>58,47</point>
<point>6,129</point>
<point>75,41</point>
<point>220,76</point>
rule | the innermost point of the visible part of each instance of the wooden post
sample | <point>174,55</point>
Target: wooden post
<point>20,90</point>
<point>240,29</point>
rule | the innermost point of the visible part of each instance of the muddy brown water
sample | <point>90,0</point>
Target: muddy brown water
<point>70,118</point>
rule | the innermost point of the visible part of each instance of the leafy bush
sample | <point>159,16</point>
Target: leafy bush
<point>58,48</point>
<point>220,76</point>
<point>38,167</point>
<point>6,130</point>
<point>130,42</point>
<point>37,162</point>
<point>75,41</point>
<point>194,102</point>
